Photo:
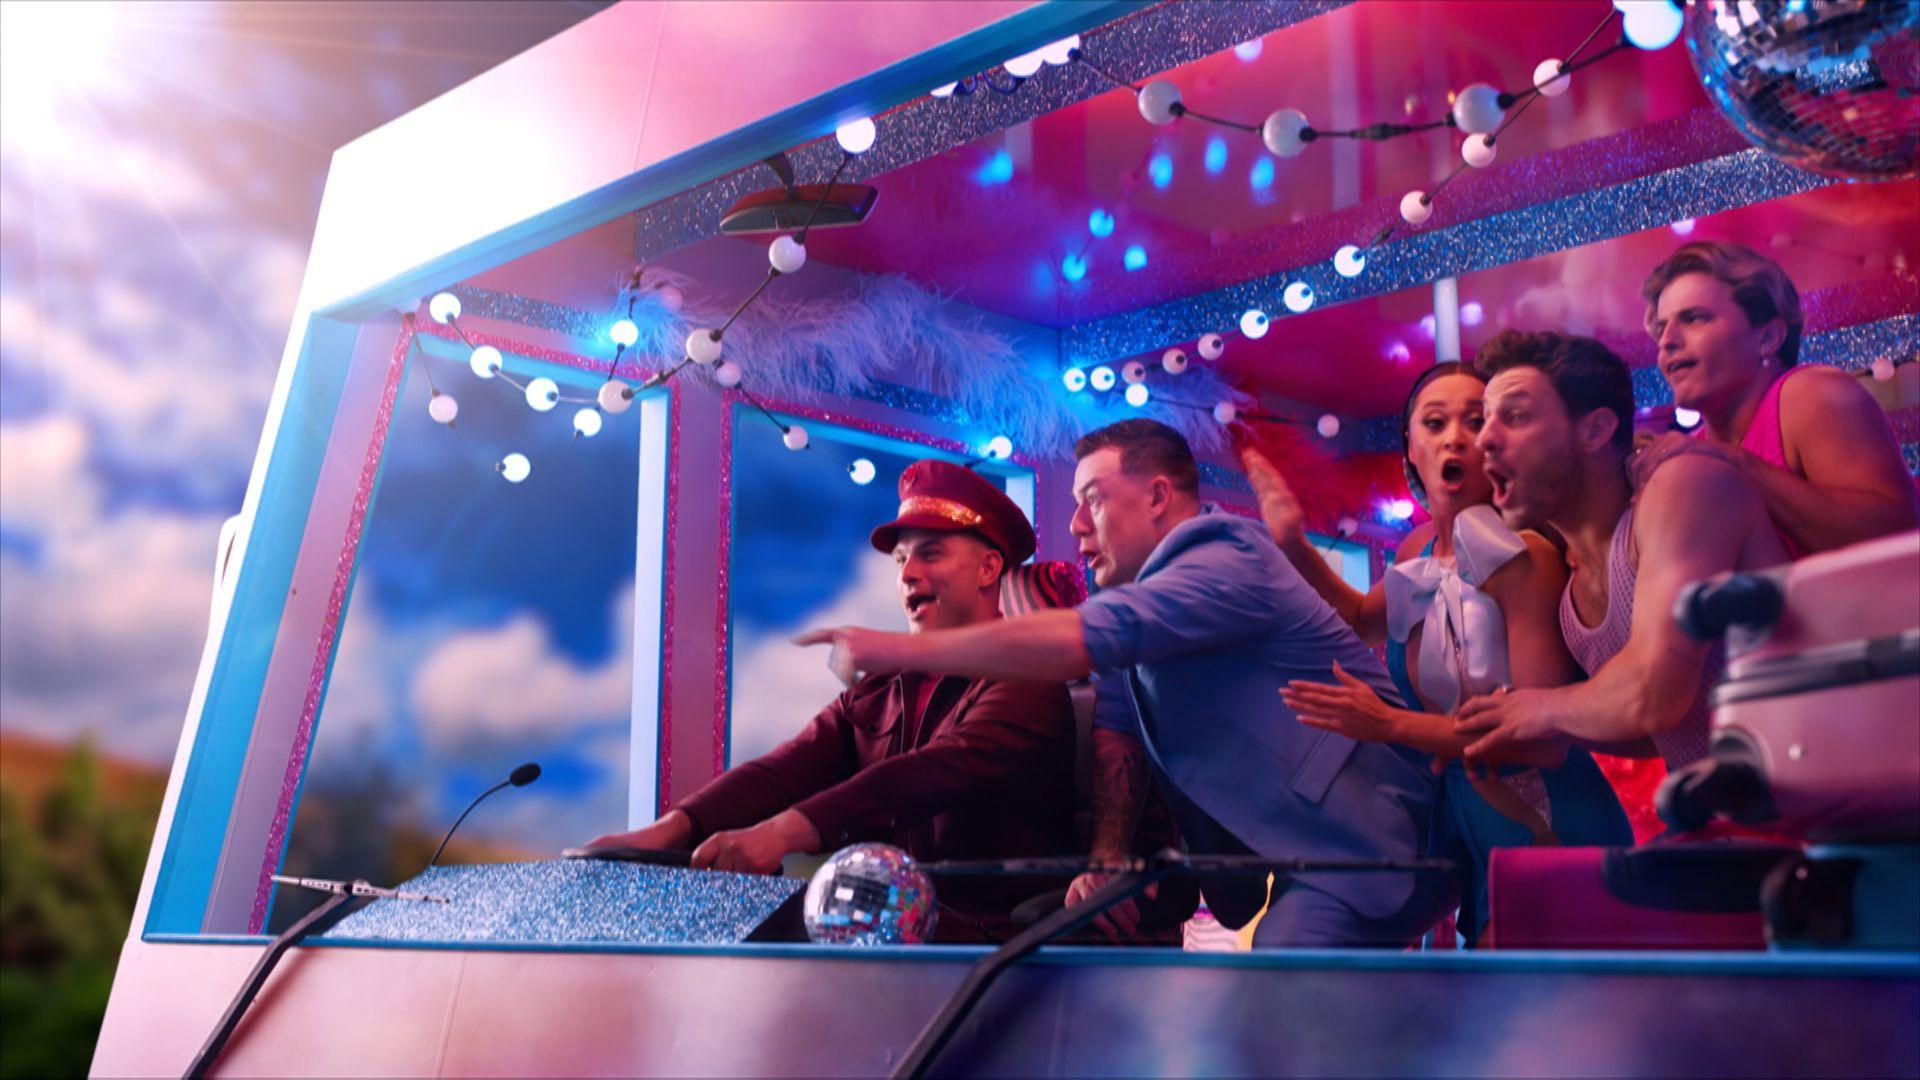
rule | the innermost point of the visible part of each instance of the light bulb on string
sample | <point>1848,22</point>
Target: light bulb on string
<point>1100,223</point>
<point>1101,378</point>
<point>586,422</point>
<point>1652,24</point>
<point>1283,132</point>
<point>795,437</point>
<point>542,394</point>
<point>1478,151</point>
<point>1882,369</point>
<point>1133,373</point>
<point>1211,346</point>
<point>1024,65</point>
<point>1400,509</point>
<point>614,397</point>
<point>1550,80</point>
<point>862,471</point>
<point>1688,419</point>
<point>727,374</point>
<point>1075,380</point>
<point>624,333</point>
<point>1298,297</point>
<point>1061,52</point>
<point>1225,413</point>
<point>855,136</point>
<point>444,307</point>
<point>999,448</point>
<point>703,346</point>
<point>514,467</point>
<point>1328,425</point>
<point>1415,208</point>
<point>443,408</point>
<point>485,361</point>
<point>1137,394</point>
<point>1159,102</point>
<point>670,297</point>
<point>1477,109</point>
<point>944,89</point>
<point>1173,361</point>
<point>1253,324</point>
<point>787,254</point>
<point>1349,261</point>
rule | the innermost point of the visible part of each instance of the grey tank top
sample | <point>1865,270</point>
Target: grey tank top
<point>1685,742</point>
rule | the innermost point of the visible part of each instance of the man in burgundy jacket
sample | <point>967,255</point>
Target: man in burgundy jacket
<point>945,768</point>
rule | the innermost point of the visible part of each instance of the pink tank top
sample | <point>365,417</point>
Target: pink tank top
<point>1764,441</point>
<point>1686,741</point>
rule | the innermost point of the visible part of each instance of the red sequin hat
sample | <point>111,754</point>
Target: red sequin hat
<point>943,497</point>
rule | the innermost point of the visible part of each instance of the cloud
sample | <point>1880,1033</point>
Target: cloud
<point>778,686</point>
<point>509,682</point>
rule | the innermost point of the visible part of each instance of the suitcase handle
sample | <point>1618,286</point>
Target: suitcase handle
<point>1706,610</point>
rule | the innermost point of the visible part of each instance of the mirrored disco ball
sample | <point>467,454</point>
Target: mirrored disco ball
<point>870,894</point>
<point>1830,86</point>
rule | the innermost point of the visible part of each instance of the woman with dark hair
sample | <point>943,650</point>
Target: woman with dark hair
<point>1469,607</point>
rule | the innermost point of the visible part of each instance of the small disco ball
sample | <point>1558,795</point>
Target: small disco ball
<point>869,894</point>
<point>1830,86</point>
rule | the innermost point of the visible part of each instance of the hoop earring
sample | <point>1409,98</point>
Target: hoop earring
<point>1414,486</point>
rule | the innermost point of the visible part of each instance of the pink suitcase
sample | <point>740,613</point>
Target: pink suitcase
<point>1816,725</point>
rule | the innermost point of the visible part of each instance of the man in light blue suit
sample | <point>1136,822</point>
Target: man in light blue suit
<point>1199,622</point>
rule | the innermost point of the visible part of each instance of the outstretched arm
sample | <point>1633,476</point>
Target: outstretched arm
<point>1365,612</point>
<point>1693,520</point>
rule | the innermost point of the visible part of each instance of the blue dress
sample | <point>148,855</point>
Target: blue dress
<point>1462,653</point>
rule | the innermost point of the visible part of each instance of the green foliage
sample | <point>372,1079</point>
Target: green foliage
<point>70,867</point>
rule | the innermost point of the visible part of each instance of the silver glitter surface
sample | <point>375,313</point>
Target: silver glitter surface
<point>1380,435</point>
<point>573,901</point>
<point>1696,190</point>
<point>1155,40</point>
<point>573,321</point>
<point>1225,478</point>
<point>1850,348</point>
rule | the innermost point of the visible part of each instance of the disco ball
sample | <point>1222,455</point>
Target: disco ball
<point>1830,86</point>
<point>869,894</point>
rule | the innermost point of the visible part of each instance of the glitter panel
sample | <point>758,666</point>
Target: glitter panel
<point>1696,190</point>
<point>488,304</point>
<point>1161,37</point>
<point>1227,480</point>
<point>722,625</point>
<point>664,794</point>
<point>329,629</point>
<point>1906,424</point>
<point>573,901</point>
<point>1380,435</point>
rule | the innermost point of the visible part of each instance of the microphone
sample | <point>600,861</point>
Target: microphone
<point>520,777</point>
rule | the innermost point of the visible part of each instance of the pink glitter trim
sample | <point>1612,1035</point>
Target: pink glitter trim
<point>664,769</point>
<point>329,629</point>
<point>722,628</point>
<point>625,370</point>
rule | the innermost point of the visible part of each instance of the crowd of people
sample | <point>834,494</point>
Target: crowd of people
<point>1237,693</point>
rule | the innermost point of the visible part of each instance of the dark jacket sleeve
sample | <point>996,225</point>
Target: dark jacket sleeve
<point>747,794</point>
<point>1011,732</point>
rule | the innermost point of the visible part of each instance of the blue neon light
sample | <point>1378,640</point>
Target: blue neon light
<point>1160,170</point>
<point>1216,159</point>
<point>1261,177</point>
<point>1100,223</point>
<point>1073,267</point>
<point>998,169</point>
<point>1136,257</point>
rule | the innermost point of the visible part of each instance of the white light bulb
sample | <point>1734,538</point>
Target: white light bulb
<point>1414,210</point>
<point>1478,151</point>
<point>1349,261</point>
<point>1225,412</point>
<point>444,307</point>
<point>1133,373</point>
<point>1281,132</point>
<point>855,136</point>
<point>727,374</point>
<point>703,346</point>
<point>1883,369</point>
<point>670,297</point>
<point>614,397</point>
<point>514,467</point>
<point>1173,361</point>
<point>1253,324</point>
<point>862,471</point>
<point>1137,395</point>
<point>1401,509</point>
<point>486,361</point>
<point>787,254</point>
<point>1024,65</point>
<point>1074,379</point>
<point>1651,24</point>
<point>443,408</point>
<point>587,422</point>
<point>945,89</point>
<point>1348,526</point>
<point>1211,346</point>
<point>1328,426</point>
<point>1686,418</point>
<point>1061,52</point>
<point>1477,109</point>
<point>1550,80</point>
<point>795,438</point>
<point>1298,297</point>
<point>624,333</point>
<point>1101,378</point>
<point>1157,101</point>
<point>999,448</point>
<point>542,393</point>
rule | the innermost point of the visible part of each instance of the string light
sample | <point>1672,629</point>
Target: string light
<point>1224,413</point>
<point>442,408</point>
<point>786,254</point>
<point>1687,419</point>
<point>795,437</point>
<point>586,423</point>
<point>514,467</point>
<point>444,308</point>
<point>1075,379</point>
<point>1253,326</point>
<point>1173,361</point>
<point>1211,346</point>
<point>624,333</point>
<point>855,136</point>
<point>727,374</point>
<point>1298,297</point>
<point>862,471</point>
<point>1137,395</point>
<point>614,397</point>
<point>486,361</point>
<point>1101,378</point>
<point>1133,373</point>
<point>1349,261</point>
<point>703,346</point>
<point>999,448</point>
<point>542,394</point>
<point>1328,425</point>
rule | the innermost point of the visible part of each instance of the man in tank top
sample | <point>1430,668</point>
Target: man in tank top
<point>1557,436</point>
<point>1809,438</point>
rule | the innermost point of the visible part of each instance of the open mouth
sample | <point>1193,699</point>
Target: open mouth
<point>918,603</point>
<point>1678,366</point>
<point>1502,484</point>
<point>1453,472</point>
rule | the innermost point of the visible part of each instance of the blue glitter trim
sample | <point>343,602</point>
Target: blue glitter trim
<point>1380,435</point>
<point>1222,477</point>
<point>572,901</point>
<point>1696,190</point>
<point>1911,452</point>
<point>1155,40</point>
<point>575,322</point>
